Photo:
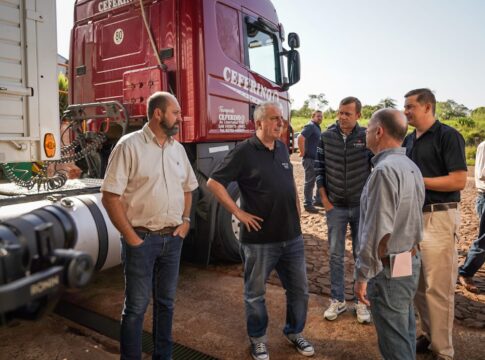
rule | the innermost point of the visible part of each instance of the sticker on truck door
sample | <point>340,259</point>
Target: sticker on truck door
<point>118,36</point>
<point>230,121</point>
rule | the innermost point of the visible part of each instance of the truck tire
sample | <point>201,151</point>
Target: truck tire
<point>226,244</point>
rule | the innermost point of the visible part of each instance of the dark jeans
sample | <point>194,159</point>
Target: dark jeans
<point>476,253</point>
<point>391,305</point>
<point>150,267</point>
<point>337,220</point>
<point>288,258</point>
<point>310,177</point>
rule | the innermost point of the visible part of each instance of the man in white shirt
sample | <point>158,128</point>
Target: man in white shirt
<point>147,192</point>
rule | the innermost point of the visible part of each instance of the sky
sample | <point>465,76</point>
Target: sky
<point>374,49</point>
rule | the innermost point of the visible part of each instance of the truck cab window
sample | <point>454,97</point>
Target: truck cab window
<point>262,51</point>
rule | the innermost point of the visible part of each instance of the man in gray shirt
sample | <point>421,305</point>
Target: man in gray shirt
<point>390,228</point>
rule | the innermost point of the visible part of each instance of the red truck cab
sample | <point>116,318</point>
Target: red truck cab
<point>220,58</point>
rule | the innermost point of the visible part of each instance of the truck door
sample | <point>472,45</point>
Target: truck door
<point>228,82</point>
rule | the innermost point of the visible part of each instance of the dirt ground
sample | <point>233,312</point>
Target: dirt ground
<point>209,313</point>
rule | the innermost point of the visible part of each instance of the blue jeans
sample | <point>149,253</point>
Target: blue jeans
<point>151,266</point>
<point>288,258</point>
<point>391,305</point>
<point>310,177</point>
<point>337,220</point>
<point>476,253</point>
<point>480,204</point>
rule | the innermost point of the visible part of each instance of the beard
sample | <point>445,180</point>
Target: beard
<point>169,131</point>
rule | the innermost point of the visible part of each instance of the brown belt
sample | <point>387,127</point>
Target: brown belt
<point>440,207</point>
<point>164,231</point>
<point>386,259</point>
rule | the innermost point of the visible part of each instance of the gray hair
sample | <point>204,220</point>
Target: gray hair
<point>260,110</point>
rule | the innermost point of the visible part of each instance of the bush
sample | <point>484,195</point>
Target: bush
<point>466,122</point>
<point>471,152</point>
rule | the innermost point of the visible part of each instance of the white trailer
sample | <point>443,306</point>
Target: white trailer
<point>29,103</point>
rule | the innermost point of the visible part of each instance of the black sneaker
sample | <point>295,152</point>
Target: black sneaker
<point>302,345</point>
<point>259,351</point>
<point>311,209</point>
<point>318,204</point>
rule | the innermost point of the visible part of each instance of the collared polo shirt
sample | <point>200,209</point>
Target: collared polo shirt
<point>437,152</point>
<point>151,179</point>
<point>266,183</point>
<point>391,203</point>
<point>311,132</point>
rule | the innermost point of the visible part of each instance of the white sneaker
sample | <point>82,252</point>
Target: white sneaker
<point>336,307</point>
<point>363,314</point>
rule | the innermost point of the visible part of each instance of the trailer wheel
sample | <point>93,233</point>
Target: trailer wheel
<point>226,245</point>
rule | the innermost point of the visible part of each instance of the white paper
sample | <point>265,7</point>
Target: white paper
<point>401,264</point>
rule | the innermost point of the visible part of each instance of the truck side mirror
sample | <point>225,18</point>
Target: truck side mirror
<point>293,67</point>
<point>293,41</point>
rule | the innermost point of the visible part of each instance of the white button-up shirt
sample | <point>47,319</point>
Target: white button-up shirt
<point>480,168</point>
<point>151,179</point>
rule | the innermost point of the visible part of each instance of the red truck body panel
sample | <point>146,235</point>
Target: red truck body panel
<point>206,66</point>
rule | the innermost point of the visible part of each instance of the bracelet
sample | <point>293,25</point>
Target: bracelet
<point>186,219</point>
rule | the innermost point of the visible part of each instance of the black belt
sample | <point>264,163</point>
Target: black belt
<point>164,231</point>
<point>439,207</point>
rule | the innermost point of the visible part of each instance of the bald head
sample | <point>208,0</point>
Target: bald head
<point>392,121</point>
<point>159,100</point>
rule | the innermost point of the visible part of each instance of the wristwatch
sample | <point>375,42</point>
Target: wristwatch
<point>186,219</point>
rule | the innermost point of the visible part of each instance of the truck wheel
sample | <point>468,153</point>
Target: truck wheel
<point>226,244</point>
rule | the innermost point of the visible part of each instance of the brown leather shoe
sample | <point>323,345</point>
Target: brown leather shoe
<point>468,283</point>
<point>422,344</point>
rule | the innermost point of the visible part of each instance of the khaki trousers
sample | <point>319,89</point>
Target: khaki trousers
<point>435,297</point>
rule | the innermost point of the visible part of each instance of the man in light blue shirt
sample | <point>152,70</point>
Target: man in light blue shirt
<point>391,223</point>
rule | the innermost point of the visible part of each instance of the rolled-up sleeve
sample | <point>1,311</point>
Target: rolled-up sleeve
<point>377,222</point>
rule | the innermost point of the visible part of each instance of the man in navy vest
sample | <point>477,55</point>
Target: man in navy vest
<point>342,167</point>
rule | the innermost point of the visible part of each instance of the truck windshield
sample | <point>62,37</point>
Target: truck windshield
<point>262,50</point>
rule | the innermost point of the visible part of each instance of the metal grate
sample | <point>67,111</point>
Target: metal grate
<point>111,328</point>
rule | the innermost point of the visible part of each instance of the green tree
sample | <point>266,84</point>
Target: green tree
<point>368,110</point>
<point>330,113</point>
<point>451,109</point>
<point>305,111</point>
<point>478,113</point>
<point>312,103</point>
<point>387,103</point>
<point>63,85</point>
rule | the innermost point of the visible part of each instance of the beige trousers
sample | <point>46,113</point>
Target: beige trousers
<point>435,297</point>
